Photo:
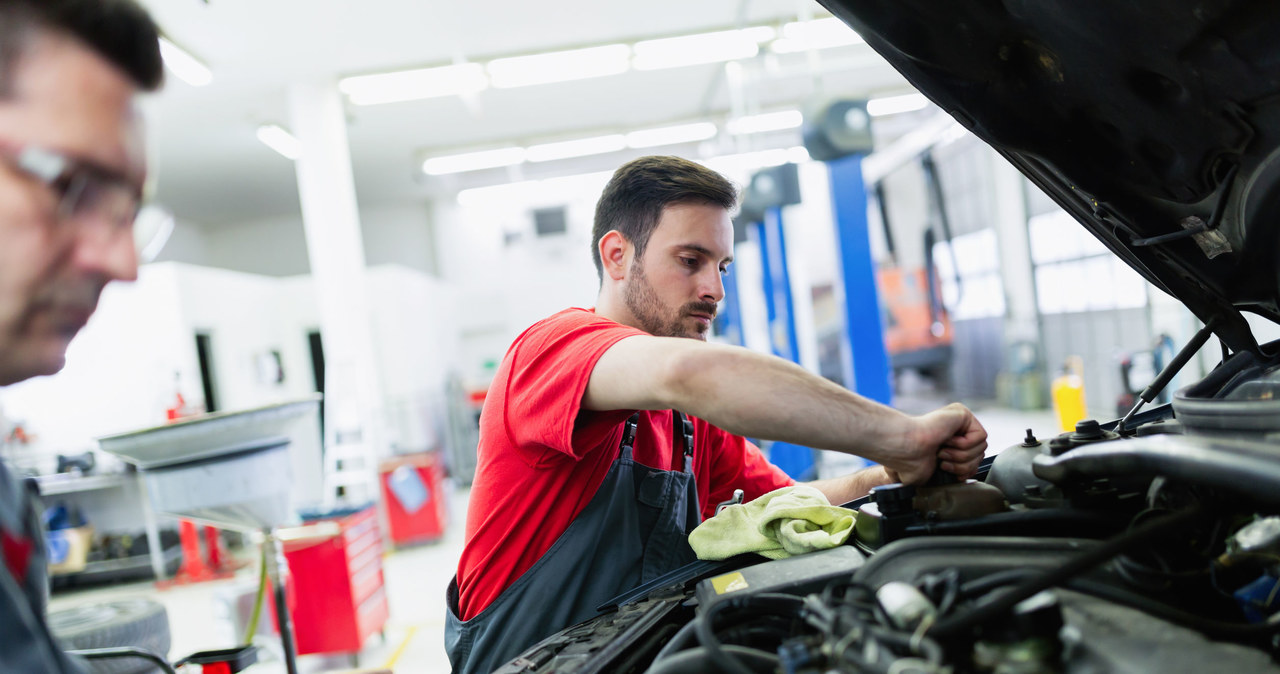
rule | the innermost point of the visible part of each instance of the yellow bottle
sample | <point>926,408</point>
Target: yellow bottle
<point>1068,394</point>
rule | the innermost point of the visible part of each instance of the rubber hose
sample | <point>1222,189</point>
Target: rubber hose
<point>252,627</point>
<point>678,641</point>
<point>721,654</point>
<point>1074,567</point>
<point>701,661</point>
<point>124,652</point>
<point>1212,628</point>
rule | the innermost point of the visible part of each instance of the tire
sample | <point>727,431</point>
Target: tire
<point>137,623</point>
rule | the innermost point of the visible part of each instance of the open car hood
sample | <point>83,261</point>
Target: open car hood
<point>1142,119</point>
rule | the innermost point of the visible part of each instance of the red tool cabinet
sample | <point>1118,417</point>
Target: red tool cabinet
<point>337,575</point>
<point>422,517</point>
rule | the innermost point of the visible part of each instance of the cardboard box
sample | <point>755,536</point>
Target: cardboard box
<point>77,543</point>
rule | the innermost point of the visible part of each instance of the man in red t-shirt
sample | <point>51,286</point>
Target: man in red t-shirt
<point>590,475</point>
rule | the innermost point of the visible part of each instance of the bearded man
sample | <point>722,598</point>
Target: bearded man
<point>609,433</point>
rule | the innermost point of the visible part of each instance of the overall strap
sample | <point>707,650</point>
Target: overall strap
<point>629,433</point>
<point>684,431</point>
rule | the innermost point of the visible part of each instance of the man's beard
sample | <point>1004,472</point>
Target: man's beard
<point>652,314</point>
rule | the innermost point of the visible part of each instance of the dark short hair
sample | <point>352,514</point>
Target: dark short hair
<point>633,200</point>
<point>120,31</point>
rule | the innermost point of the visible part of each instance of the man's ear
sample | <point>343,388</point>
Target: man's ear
<point>615,254</point>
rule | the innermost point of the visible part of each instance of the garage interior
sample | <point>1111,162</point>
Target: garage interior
<point>372,200</point>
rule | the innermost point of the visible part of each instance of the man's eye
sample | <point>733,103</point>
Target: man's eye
<point>689,261</point>
<point>724,271</point>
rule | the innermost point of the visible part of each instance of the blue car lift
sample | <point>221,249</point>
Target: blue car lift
<point>795,460</point>
<point>867,367</point>
<point>866,362</point>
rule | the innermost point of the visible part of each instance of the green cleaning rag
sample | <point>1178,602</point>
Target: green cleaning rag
<point>784,522</point>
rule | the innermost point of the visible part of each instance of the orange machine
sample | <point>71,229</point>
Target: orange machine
<point>917,329</point>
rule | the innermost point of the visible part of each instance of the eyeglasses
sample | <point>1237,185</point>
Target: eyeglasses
<point>91,194</point>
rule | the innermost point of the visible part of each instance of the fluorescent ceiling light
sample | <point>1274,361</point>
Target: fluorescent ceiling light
<point>818,34</point>
<point>473,161</point>
<point>581,147</point>
<point>280,140</point>
<point>560,66</point>
<point>743,164</point>
<point>408,85</point>
<point>878,107</point>
<point>183,65</point>
<point>674,52</point>
<point>520,195</point>
<point>671,135</point>
<point>769,121</point>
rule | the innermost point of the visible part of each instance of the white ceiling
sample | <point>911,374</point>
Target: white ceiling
<point>213,170</point>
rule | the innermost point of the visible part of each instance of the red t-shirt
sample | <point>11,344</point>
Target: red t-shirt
<point>542,457</point>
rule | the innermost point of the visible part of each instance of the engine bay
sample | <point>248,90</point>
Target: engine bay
<point>1150,543</point>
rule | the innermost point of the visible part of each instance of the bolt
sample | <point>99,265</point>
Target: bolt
<point>1030,440</point>
<point>1060,445</point>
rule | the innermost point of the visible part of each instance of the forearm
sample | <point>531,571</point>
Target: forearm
<point>845,488</point>
<point>760,396</point>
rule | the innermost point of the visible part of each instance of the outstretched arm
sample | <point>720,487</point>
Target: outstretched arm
<point>762,396</point>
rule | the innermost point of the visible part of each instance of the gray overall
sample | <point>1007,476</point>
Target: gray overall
<point>26,645</point>
<point>633,530</point>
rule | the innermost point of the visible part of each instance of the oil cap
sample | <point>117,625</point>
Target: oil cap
<point>1089,430</point>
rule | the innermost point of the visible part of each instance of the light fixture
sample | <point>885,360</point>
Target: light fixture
<point>816,34</point>
<point>473,161</point>
<point>671,135</point>
<point>745,162</point>
<point>769,121</point>
<point>687,50</point>
<point>277,138</point>
<point>408,85</point>
<point>878,107</point>
<point>186,67</point>
<point>548,190</point>
<point>581,147</point>
<point>559,66</point>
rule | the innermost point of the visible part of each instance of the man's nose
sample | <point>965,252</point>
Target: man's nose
<point>713,286</point>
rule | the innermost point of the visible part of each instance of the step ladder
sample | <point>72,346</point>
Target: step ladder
<point>350,470</point>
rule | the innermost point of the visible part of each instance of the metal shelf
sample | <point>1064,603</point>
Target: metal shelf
<point>65,483</point>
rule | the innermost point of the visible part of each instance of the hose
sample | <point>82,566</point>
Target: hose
<point>124,652</point>
<point>701,661</point>
<point>1207,626</point>
<point>679,640</point>
<point>721,654</point>
<point>1000,604</point>
<point>252,627</point>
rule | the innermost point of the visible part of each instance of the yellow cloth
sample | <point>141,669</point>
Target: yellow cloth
<point>784,522</point>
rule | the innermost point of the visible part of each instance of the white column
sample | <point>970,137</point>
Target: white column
<point>1016,270</point>
<point>331,220</point>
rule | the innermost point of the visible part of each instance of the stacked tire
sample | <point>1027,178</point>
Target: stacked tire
<point>136,623</point>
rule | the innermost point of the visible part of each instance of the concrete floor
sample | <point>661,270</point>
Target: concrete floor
<point>416,578</point>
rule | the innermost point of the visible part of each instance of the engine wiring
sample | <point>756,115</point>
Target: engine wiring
<point>1169,548</point>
